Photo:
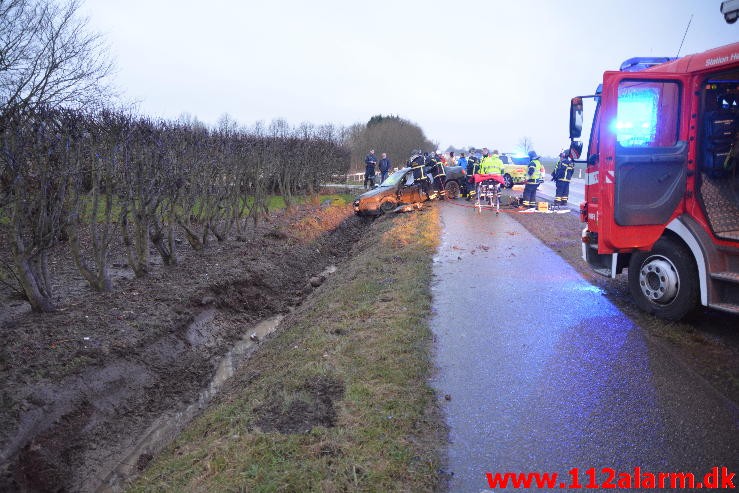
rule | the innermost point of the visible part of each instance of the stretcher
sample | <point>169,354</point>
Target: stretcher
<point>487,191</point>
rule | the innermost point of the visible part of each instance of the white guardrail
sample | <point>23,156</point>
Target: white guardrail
<point>355,177</point>
<point>352,178</point>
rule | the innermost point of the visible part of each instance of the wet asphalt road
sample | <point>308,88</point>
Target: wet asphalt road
<point>547,190</point>
<point>545,374</point>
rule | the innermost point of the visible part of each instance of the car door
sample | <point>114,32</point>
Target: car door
<point>410,189</point>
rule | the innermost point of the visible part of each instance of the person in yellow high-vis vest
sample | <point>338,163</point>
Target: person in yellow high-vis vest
<point>484,162</point>
<point>533,178</point>
<point>491,164</point>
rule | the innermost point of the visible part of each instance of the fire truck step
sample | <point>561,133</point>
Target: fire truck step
<point>726,276</point>
<point>725,307</point>
<point>720,202</point>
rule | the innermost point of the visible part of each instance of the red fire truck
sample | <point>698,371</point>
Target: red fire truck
<point>662,189</point>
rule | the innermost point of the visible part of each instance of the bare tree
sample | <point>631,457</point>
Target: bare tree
<point>280,160</point>
<point>391,134</point>
<point>97,177</point>
<point>140,191</point>
<point>34,177</point>
<point>92,142</point>
<point>163,220</point>
<point>526,145</point>
<point>48,57</point>
<point>189,157</point>
<point>256,181</point>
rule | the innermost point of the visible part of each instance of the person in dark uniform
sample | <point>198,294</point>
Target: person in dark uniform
<point>435,171</point>
<point>369,169</point>
<point>563,175</point>
<point>384,167</point>
<point>473,165</point>
<point>417,162</point>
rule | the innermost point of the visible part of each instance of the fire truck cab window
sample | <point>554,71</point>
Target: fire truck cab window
<point>718,151</point>
<point>720,123</point>
<point>647,114</point>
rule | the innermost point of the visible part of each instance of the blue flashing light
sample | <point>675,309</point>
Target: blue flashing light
<point>638,64</point>
<point>636,122</point>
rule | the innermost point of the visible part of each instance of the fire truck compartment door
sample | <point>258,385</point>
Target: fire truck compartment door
<point>649,183</point>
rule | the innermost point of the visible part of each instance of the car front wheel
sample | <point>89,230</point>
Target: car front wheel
<point>387,206</point>
<point>664,282</point>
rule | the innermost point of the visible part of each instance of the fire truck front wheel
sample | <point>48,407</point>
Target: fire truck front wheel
<point>664,281</point>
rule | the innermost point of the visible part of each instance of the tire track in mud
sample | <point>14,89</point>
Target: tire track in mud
<point>90,431</point>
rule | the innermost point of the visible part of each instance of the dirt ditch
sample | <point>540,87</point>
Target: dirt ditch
<point>89,392</point>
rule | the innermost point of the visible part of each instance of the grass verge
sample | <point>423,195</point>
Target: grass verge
<point>338,400</point>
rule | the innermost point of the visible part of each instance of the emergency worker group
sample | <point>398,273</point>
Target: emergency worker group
<point>428,170</point>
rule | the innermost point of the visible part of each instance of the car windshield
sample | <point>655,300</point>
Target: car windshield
<point>394,179</point>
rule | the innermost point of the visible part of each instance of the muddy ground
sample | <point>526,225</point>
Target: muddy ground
<point>81,384</point>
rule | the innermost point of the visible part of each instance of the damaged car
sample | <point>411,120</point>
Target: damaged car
<point>400,188</point>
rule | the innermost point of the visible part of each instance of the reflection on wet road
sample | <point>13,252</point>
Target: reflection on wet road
<point>545,374</point>
<point>547,190</point>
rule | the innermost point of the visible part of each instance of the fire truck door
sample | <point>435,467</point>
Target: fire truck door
<point>650,162</point>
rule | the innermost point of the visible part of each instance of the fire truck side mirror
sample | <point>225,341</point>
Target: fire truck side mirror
<point>575,149</point>
<point>730,9</point>
<point>576,108</point>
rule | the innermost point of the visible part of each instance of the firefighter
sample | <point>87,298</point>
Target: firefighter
<point>472,163</point>
<point>562,174</point>
<point>437,174</point>
<point>417,163</point>
<point>533,178</point>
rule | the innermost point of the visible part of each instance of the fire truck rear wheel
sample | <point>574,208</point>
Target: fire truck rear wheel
<point>664,281</point>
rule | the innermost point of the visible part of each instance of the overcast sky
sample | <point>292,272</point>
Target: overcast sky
<point>470,73</point>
